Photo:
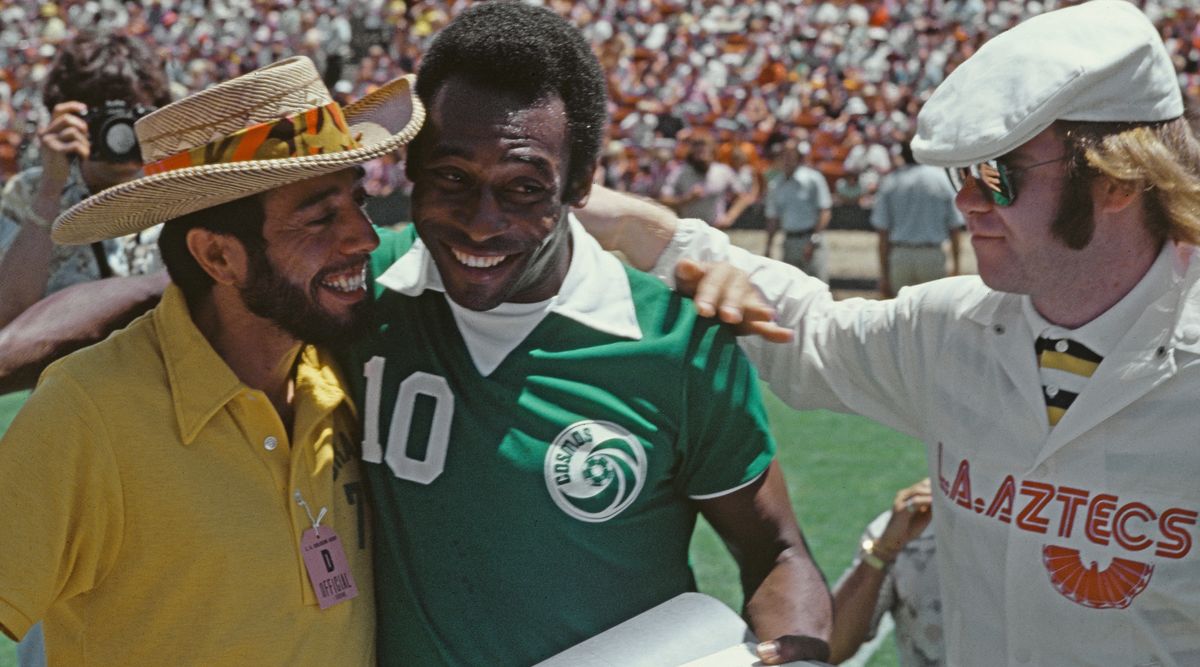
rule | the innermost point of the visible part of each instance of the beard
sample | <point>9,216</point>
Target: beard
<point>296,311</point>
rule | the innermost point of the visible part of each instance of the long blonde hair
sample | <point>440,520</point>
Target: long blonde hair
<point>1162,159</point>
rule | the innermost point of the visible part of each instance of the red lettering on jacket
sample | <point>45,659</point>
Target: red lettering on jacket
<point>1071,500</point>
<point>961,491</point>
<point>1097,526</point>
<point>1031,517</point>
<point>1131,541</point>
<point>1130,525</point>
<point>1170,525</point>
<point>1003,502</point>
<point>945,485</point>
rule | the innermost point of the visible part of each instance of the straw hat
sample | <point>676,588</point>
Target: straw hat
<point>273,126</point>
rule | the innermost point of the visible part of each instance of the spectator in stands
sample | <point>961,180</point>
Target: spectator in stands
<point>699,186</point>
<point>773,66</point>
<point>914,214</point>
<point>799,203</point>
<point>98,82</point>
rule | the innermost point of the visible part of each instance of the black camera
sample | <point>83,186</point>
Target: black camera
<point>110,131</point>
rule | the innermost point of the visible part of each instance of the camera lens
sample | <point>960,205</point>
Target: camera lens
<point>110,128</point>
<point>119,138</point>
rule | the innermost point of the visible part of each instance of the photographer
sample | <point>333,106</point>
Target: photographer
<point>97,87</point>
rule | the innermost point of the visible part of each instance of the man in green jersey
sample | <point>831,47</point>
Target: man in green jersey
<point>542,425</point>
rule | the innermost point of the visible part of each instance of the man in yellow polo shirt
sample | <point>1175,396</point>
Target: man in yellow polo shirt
<point>188,490</point>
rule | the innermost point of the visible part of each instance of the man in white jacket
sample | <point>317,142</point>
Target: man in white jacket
<point>1056,392</point>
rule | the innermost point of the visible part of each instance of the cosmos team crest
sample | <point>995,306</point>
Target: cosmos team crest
<point>594,470</point>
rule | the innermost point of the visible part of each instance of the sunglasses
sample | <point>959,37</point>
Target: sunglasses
<point>994,178</point>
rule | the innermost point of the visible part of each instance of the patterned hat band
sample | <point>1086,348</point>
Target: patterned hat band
<point>268,128</point>
<point>313,132</point>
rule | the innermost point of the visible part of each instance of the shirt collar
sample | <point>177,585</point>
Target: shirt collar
<point>201,383</point>
<point>1102,334</point>
<point>595,292</point>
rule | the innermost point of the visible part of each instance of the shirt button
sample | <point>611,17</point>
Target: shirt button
<point>1061,346</point>
<point>1052,390</point>
<point>270,443</point>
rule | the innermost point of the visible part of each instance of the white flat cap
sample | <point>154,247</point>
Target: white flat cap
<point>1099,61</point>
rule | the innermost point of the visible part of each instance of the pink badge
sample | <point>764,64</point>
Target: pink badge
<point>327,567</point>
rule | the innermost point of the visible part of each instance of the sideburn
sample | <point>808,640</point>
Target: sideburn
<point>1074,223</point>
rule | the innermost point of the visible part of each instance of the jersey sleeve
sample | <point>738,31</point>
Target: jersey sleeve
<point>62,514</point>
<point>728,441</point>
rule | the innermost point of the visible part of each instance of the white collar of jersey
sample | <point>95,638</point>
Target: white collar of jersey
<point>1102,334</point>
<point>595,293</point>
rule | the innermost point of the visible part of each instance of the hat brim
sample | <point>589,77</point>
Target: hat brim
<point>384,120</point>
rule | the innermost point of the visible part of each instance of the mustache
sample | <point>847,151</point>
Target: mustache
<point>494,246</point>
<point>353,263</point>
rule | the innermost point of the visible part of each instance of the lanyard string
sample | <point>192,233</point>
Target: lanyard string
<point>316,523</point>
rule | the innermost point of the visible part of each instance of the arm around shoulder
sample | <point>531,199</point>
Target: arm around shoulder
<point>638,228</point>
<point>70,319</point>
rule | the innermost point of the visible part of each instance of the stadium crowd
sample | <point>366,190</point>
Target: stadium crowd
<point>847,77</point>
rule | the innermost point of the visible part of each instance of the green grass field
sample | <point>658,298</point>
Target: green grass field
<point>842,471</point>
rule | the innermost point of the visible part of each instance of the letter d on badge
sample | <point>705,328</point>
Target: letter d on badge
<point>327,567</point>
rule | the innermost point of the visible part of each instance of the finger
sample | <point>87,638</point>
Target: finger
<point>757,310</point>
<point>688,274</point>
<point>759,320</point>
<point>921,502</point>
<point>792,648</point>
<point>731,292</point>
<point>768,331</point>
<point>707,279</point>
<point>57,123</point>
<point>68,108</point>
<point>69,142</point>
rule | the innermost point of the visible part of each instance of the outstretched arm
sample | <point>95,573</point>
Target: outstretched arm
<point>787,600</point>
<point>70,319</point>
<point>637,227</point>
<point>640,229</point>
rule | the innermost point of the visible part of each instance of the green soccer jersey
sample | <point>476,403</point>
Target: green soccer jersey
<point>533,476</point>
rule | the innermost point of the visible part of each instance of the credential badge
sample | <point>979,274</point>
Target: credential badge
<point>594,470</point>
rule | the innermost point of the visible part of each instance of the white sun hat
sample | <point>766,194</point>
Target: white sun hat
<point>1101,61</point>
<point>273,126</point>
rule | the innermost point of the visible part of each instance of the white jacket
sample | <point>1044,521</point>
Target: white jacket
<point>1064,546</point>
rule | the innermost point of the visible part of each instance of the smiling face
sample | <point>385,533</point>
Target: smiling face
<point>1015,247</point>
<point>489,194</point>
<point>310,278</point>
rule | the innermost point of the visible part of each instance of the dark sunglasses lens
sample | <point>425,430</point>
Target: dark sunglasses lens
<point>994,178</point>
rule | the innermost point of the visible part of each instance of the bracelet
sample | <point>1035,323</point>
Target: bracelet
<point>870,555</point>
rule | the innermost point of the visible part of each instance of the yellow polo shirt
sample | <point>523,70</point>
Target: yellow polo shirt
<point>148,508</point>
